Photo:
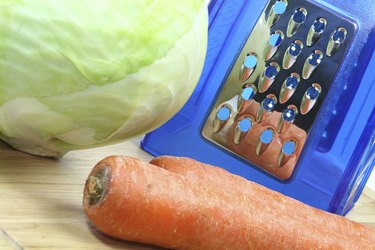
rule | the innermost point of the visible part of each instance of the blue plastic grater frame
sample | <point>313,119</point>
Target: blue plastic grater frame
<point>339,153</point>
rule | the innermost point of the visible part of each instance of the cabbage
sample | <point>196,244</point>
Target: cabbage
<point>79,74</point>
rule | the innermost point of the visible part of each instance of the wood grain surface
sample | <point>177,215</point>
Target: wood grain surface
<point>41,200</point>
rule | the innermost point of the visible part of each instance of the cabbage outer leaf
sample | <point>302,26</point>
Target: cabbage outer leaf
<point>80,74</point>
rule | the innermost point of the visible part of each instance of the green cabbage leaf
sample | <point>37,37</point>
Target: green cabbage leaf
<point>80,74</point>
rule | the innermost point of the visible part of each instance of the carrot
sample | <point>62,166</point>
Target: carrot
<point>333,231</point>
<point>176,205</point>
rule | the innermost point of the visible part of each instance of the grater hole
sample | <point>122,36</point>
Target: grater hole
<point>296,20</point>
<point>337,38</point>
<point>224,113</point>
<point>269,103</point>
<point>288,149</point>
<point>266,107</point>
<point>265,139</point>
<point>311,63</point>
<point>276,11</point>
<point>310,97</point>
<point>247,94</point>
<point>292,53</point>
<point>267,136</point>
<point>222,116</point>
<point>242,128</point>
<point>280,7</point>
<point>269,76</point>
<point>299,15</point>
<point>271,71</point>
<point>273,44</point>
<point>290,113</point>
<point>316,30</point>
<point>248,66</point>
<point>289,87</point>
<point>287,118</point>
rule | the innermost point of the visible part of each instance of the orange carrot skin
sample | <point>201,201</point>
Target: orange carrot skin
<point>311,227</point>
<point>174,208</point>
<point>144,203</point>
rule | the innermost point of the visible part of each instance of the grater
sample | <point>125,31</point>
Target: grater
<point>275,87</point>
<point>286,99</point>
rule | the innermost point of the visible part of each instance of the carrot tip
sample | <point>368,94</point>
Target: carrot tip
<point>96,186</point>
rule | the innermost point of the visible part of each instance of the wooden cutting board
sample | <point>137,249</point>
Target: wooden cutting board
<point>41,200</point>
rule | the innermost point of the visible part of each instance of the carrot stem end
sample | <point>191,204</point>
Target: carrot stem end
<point>96,186</point>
